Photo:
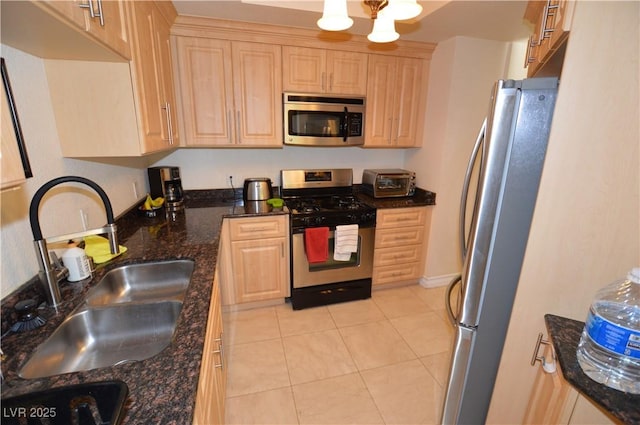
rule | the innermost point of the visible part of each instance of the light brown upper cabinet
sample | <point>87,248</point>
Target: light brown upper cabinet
<point>230,92</point>
<point>545,48</point>
<point>310,70</point>
<point>70,29</point>
<point>153,76</point>
<point>396,102</point>
<point>109,109</point>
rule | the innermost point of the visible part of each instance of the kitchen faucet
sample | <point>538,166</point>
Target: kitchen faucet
<point>51,274</point>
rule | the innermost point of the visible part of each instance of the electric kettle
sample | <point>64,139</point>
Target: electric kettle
<point>257,189</point>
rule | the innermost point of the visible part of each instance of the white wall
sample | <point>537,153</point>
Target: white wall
<point>59,213</point>
<point>463,71</point>
<point>211,168</point>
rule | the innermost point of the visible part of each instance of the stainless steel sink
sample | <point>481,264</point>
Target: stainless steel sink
<point>143,282</point>
<point>105,336</point>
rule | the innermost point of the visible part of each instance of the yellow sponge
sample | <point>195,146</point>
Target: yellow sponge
<point>97,247</point>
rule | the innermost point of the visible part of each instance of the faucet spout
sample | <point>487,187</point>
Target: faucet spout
<point>49,274</point>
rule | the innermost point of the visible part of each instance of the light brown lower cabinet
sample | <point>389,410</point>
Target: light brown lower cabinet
<point>210,397</point>
<point>552,398</point>
<point>400,247</point>
<point>254,254</point>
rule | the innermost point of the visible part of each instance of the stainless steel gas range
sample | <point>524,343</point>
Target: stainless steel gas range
<point>332,237</point>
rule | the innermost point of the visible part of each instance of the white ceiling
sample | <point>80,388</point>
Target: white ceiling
<point>440,20</point>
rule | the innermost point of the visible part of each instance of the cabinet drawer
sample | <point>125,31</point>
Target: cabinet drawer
<point>399,237</point>
<point>401,217</point>
<point>257,227</point>
<point>397,255</point>
<point>398,273</point>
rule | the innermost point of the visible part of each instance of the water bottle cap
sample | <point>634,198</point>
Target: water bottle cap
<point>634,275</point>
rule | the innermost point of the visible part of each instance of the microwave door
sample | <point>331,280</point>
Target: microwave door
<point>345,125</point>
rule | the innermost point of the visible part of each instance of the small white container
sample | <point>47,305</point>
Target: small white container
<point>75,259</point>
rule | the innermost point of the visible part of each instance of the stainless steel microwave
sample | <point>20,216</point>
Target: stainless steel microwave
<point>389,183</point>
<point>320,120</point>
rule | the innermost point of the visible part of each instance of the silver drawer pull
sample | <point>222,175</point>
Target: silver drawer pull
<point>219,351</point>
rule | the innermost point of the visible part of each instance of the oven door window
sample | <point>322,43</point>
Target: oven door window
<point>316,123</point>
<point>331,264</point>
<point>392,184</point>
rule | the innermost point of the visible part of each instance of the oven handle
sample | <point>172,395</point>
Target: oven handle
<point>298,230</point>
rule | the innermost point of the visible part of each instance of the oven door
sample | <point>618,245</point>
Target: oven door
<point>360,266</point>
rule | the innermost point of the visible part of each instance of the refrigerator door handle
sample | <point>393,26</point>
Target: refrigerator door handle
<point>460,359</point>
<point>453,318</point>
<point>465,188</point>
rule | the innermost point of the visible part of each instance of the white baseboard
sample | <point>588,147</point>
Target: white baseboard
<point>436,281</point>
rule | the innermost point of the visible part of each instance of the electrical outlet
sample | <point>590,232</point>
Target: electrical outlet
<point>84,219</point>
<point>134,185</point>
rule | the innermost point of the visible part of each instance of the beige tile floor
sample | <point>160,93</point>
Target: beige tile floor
<point>378,361</point>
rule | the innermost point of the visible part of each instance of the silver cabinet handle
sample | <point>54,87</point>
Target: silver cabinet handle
<point>397,129</point>
<point>219,351</point>
<point>331,82</point>
<point>170,123</point>
<point>229,125</point>
<point>88,5</point>
<point>323,81</point>
<point>528,57</point>
<point>238,127</point>
<point>535,356</point>
<point>100,14</point>
<point>549,12</point>
<point>390,128</point>
<point>167,111</point>
<point>92,13</point>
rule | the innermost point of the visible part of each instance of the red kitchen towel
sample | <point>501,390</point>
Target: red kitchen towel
<point>316,244</point>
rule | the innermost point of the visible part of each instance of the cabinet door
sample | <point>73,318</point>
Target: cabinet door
<point>324,71</point>
<point>150,32</point>
<point>204,81</point>
<point>165,69</point>
<point>395,101</point>
<point>304,69</point>
<point>209,408</point>
<point>10,161</point>
<point>407,104</point>
<point>380,97</point>
<point>552,398</point>
<point>257,74</point>
<point>113,31</point>
<point>347,72</point>
<point>260,269</point>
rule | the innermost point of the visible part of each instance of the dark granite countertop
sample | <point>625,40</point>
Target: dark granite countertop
<point>565,336</point>
<point>162,389</point>
<point>421,198</point>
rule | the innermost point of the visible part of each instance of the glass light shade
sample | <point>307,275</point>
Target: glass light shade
<point>384,29</point>
<point>335,16</point>
<point>401,10</point>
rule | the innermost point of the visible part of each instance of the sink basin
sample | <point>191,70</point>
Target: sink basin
<point>105,336</point>
<point>143,282</point>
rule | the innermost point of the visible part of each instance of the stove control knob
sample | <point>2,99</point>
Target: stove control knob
<point>314,221</point>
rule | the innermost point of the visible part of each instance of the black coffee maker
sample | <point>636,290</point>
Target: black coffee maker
<point>165,181</point>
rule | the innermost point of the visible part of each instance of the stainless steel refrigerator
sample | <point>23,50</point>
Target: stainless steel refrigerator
<point>506,165</point>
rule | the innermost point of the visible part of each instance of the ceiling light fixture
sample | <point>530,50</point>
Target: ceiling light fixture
<point>336,18</point>
<point>384,29</point>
